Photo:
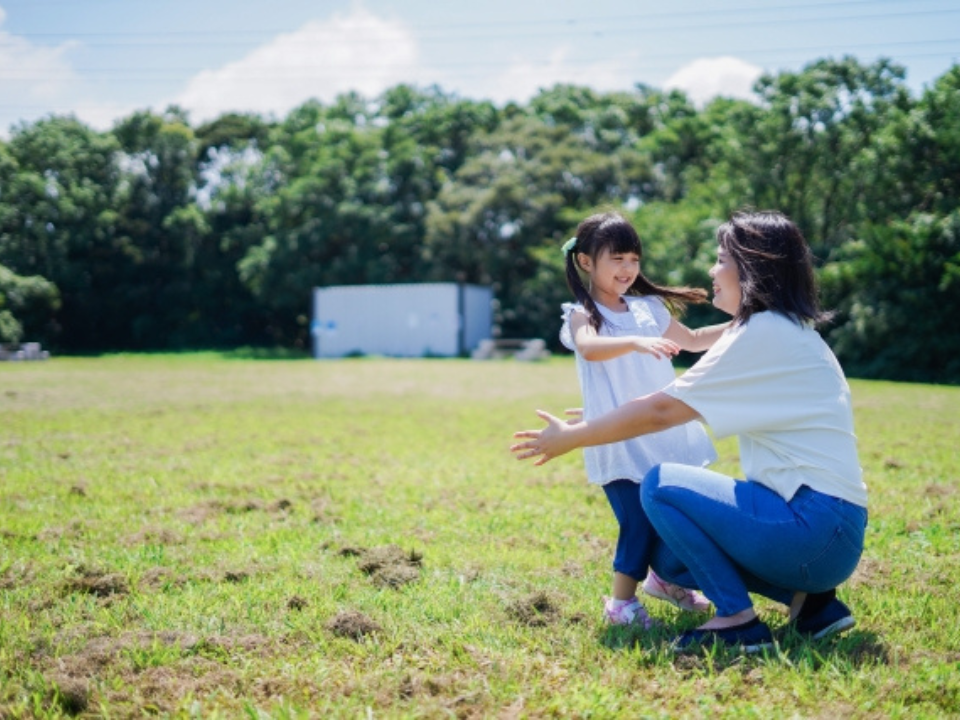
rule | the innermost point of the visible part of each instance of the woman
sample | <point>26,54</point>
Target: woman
<point>794,529</point>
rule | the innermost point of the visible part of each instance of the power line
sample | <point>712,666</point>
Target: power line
<point>164,73</point>
<point>746,52</point>
<point>186,38</point>
<point>725,12</point>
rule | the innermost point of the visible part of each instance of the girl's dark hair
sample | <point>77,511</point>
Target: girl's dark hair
<point>775,266</point>
<point>611,231</point>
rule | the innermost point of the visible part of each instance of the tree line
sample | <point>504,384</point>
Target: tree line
<point>158,235</point>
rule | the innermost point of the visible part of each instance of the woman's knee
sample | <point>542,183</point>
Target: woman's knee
<point>649,486</point>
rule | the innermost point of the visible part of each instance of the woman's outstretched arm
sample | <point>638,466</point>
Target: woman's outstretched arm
<point>647,414</point>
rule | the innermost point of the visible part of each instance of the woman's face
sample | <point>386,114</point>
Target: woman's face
<point>726,283</point>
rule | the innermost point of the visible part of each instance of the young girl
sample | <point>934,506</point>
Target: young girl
<point>624,336</point>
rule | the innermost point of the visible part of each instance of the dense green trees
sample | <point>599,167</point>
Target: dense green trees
<point>159,234</point>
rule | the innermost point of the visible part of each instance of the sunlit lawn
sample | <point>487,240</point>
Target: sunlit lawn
<point>203,536</point>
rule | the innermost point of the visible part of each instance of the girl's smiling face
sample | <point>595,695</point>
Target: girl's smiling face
<point>726,283</point>
<point>611,274</point>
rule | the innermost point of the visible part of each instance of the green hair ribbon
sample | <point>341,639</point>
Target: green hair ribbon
<point>568,246</point>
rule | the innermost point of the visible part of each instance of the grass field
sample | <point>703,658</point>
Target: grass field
<point>200,536</point>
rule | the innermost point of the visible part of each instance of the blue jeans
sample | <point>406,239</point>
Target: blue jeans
<point>636,538</point>
<point>739,537</point>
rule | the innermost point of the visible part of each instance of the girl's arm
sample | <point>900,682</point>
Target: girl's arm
<point>647,414</point>
<point>694,340</point>
<point>595,348</point>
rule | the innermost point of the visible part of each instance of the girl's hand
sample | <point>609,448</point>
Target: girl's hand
<point>553,441</point>
<point>658,347</point>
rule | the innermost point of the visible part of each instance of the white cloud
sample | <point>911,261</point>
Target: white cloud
<point>524,78</point>
<point>358,51</point>
<point>707,78</point>
<point>39,78</point>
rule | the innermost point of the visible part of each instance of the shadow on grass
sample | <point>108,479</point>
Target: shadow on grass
<point>262,353</point>
<point>240,353</point>
<point>851,650</point>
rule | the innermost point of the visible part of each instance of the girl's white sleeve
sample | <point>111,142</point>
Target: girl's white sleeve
<point>566,337</point>
<point>661,314</point>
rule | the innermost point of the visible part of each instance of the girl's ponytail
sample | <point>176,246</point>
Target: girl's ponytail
<point>575,283</point>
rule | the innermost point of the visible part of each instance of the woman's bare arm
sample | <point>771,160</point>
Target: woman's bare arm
<point>647,414</point>
<point>697,340</point>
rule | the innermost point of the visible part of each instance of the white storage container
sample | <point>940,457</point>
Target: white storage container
<point>410,320</point>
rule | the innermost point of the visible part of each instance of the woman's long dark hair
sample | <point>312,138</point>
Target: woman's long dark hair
<point>775,266</point>
<point>611,231</point>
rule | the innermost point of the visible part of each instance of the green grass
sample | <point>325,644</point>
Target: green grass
<point>194,535</point>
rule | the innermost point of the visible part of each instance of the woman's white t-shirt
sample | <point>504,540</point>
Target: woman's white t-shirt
<point>605,385</point>
<point>777,385</point>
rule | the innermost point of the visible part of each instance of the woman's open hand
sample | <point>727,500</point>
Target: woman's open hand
<point>554,440</point>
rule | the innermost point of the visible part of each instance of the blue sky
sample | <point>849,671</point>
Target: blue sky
<point>103,59</point>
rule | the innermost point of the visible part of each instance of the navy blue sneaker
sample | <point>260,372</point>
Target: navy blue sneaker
<point>751,637</point>
<point>832,618</point>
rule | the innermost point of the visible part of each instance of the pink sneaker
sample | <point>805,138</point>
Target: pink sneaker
<point>689,600</point>
<point>627,612</point>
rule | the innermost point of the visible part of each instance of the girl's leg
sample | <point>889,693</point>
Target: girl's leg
<point>632,555</point>
<point>634,542</point>
<point>735,537</point>
<point>637,544</point>
<point>624,586</point>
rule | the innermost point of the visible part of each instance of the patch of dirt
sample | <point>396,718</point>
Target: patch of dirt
<point>72,531</point>
<point>282,505</point>
<point>244,506</point>
<point>536,610</point>
<point>868,572</point>
<point>80,490</point>
<point>100,653</point>
<point>72,695</point>
<point>160,690</point>
<point>153,536</point>
<point>97,582</point>
<point>200,513</point>
<point>233,643</point>
<point>201,669</point>
<point>469,574</point>
<point>320,509</point>
<point>449,687</point>
<point>352,624</point>
<point>157,578</point>
<point>869,651</point>
<point>350,551</point>
<point>297,603</point>
<point>16,575</point>
<point>689,664</point>
<point>939,490</point>
<point>390,566</point>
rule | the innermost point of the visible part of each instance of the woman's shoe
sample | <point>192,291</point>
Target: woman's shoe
<point>823,614</point>
<point>627,612</point>
<point>750,637</point>
<point>689,600</point>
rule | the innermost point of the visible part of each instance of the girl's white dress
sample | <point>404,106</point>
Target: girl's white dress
<point>608,384</point>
